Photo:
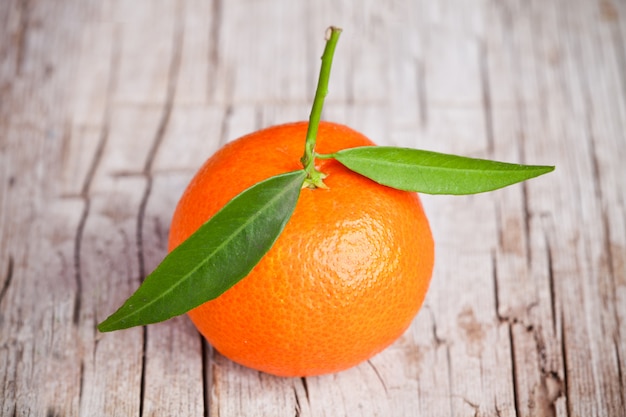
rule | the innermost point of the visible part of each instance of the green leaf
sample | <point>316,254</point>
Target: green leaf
<point>219,254</point>
<point>432,172</point>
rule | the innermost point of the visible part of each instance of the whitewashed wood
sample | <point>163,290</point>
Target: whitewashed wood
<point>108,108</point>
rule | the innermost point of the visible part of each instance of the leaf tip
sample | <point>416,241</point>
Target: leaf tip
<point>106,326</point>
<point>544,169</point>
<point>117,321</point>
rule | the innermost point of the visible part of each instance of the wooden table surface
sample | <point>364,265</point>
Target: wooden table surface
<point>107,108</point>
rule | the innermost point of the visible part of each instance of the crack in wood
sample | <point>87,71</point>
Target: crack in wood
<point>51,412</point>
<point>593,154</point>
<point>422,97</point>
<point>565,387</point>
<point>205,352</point>
<point>450,384</point>
<point>619,35</point>
<point>21,36</point>
<point>551,284</point>
<point>620,374</point>
<point>214,48</point>
<point>608,250</point>
<point>486,95</point>
<point>512,318</point>
<point>114,61</point>
<point>298,408</point>
<point>174,70</point>
<point>142,378</point>
<point>523,119</point>
<point>8,277</point>
<point>78,279</point>
<point>514,371</point>
<point>433,326</point>
<point>305,385</point>
<point>526,217</point>
<point>223,137</point>
<point>81,386</point>
<point>551,385</point>
<point>474,406</point>
<point>380,378</point>
<point>173,73</point>
<point>494,275</point>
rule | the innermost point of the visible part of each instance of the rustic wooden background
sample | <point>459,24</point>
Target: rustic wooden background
<point>108,107</point>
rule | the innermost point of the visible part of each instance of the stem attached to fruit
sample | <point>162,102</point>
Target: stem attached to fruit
<point>314,177</point>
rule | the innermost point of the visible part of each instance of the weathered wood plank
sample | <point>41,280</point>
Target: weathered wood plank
<point>37,234</point>
<point>107,109</point>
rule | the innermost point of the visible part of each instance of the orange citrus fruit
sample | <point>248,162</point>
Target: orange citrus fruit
<point>344,279</point>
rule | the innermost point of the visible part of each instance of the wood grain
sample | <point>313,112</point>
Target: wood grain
<point>108,108</point>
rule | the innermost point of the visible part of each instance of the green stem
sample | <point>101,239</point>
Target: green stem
<point>314,177</point>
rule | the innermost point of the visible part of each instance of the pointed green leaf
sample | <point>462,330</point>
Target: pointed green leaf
<point>432,172</point>
<point>219,254</point>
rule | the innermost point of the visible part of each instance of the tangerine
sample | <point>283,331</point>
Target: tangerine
<point>344,279</point>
